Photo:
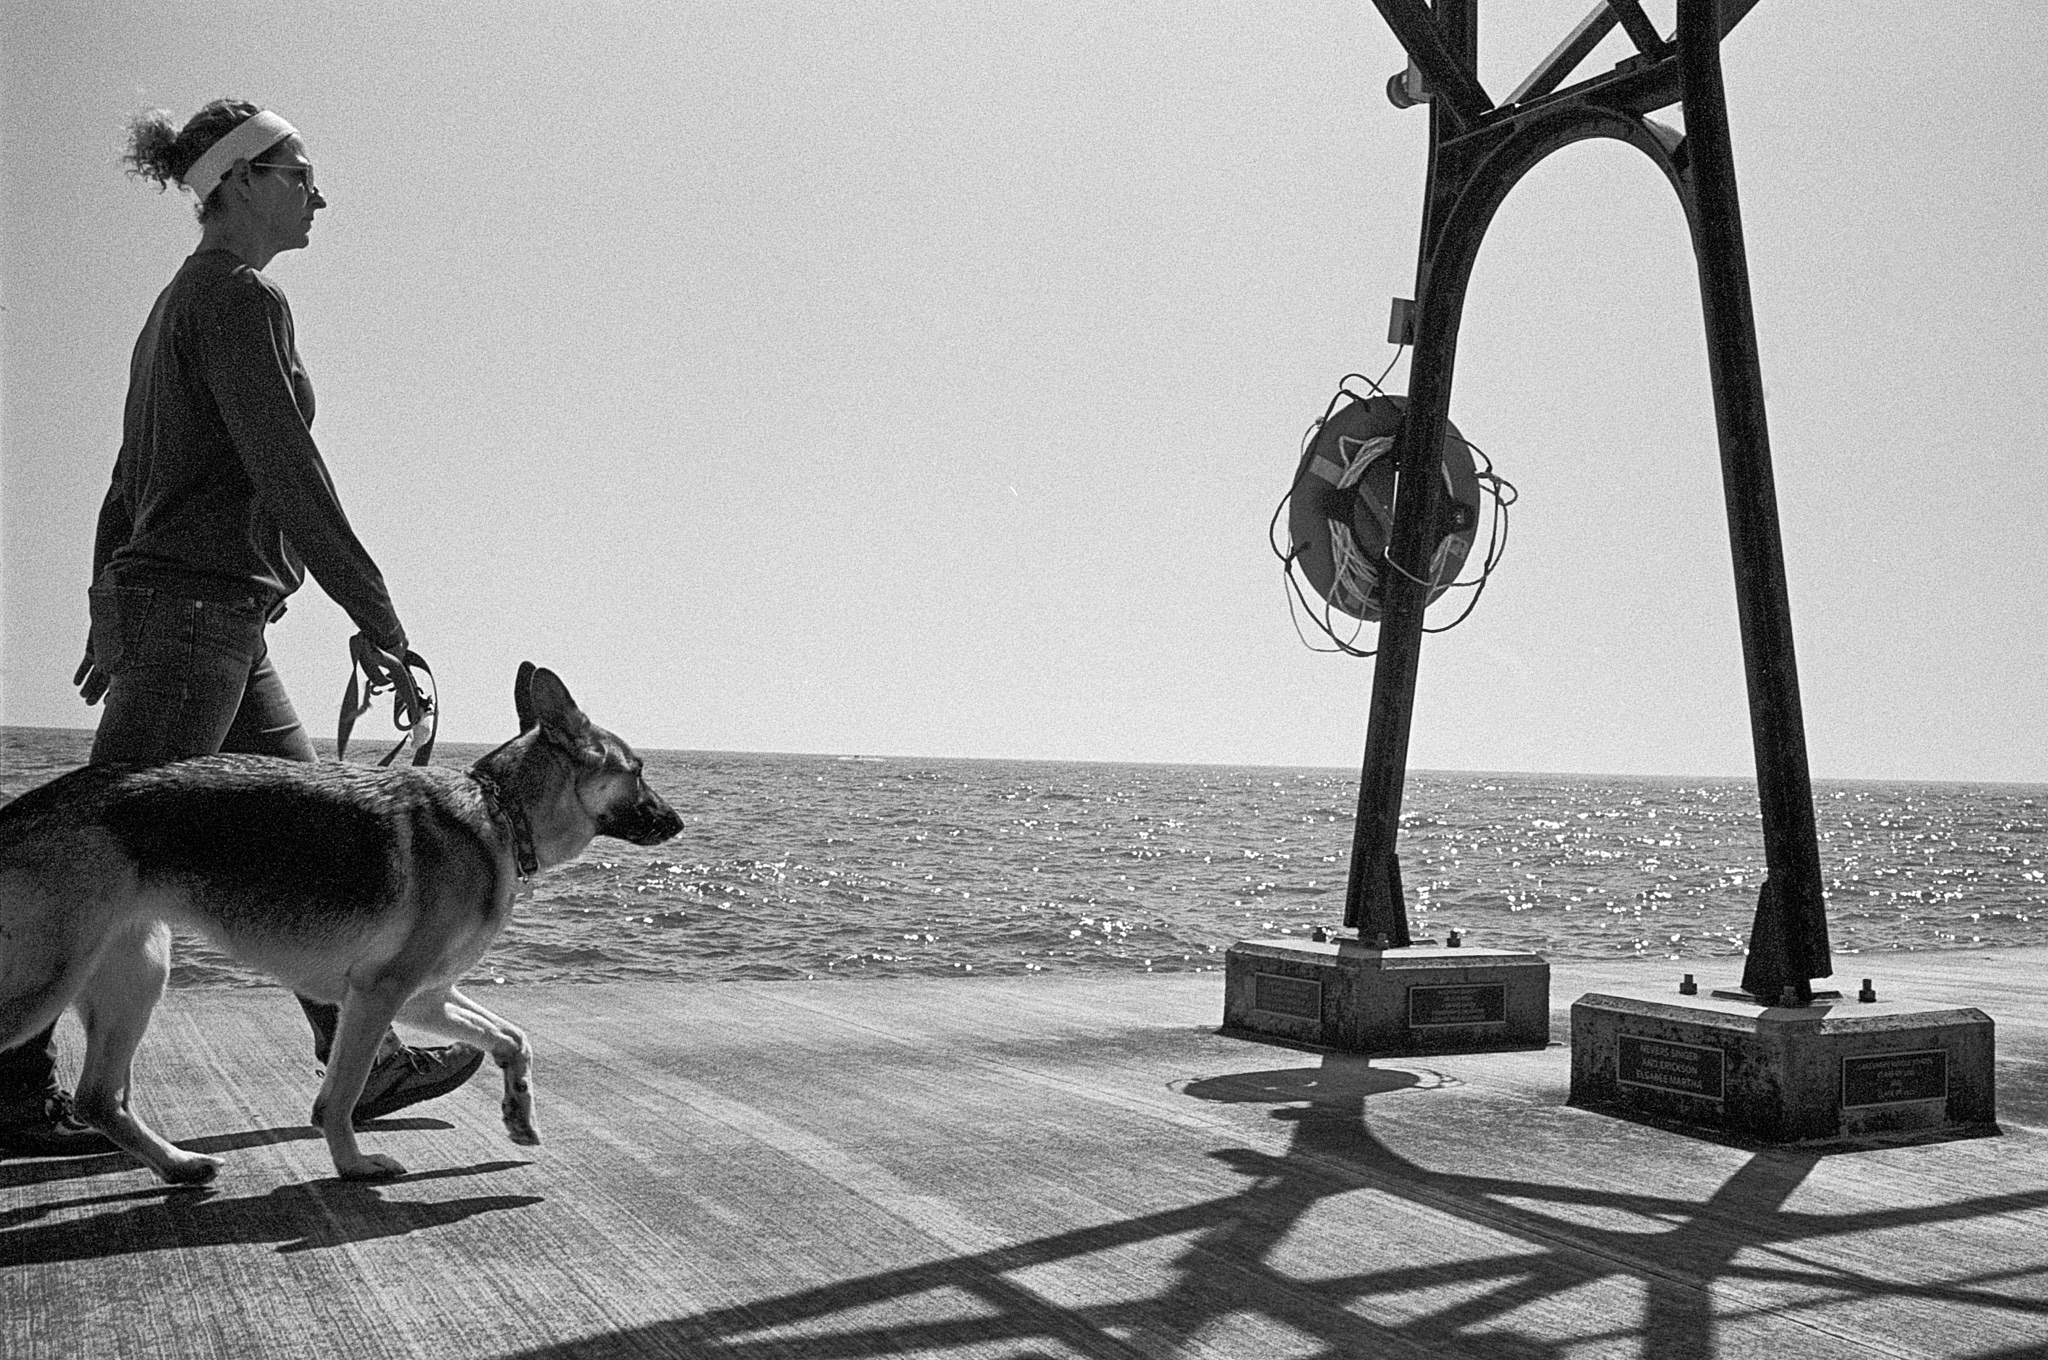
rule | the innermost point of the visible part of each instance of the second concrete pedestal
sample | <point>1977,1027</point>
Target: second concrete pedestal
<point>1421,999</point>
<point>1784,1074</point>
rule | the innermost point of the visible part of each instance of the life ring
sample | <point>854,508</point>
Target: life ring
<point>1340,512</point>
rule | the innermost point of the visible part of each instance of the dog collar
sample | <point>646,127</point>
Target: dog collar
<point>502,810</point>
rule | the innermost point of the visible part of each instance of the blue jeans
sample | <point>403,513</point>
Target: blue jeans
<point>188,678</point>
<point>184,678</point>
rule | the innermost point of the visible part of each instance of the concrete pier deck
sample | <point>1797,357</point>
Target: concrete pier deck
<point>1034,1167</point>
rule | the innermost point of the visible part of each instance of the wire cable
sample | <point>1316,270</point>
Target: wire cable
<point>1499,490</point>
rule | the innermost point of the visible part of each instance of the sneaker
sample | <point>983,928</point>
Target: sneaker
<point>54,1130</point>
<point>409,1076</point>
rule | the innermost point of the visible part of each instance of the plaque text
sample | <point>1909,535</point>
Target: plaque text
<point>1690,1069</point>
<point>1892,1078</point>
<point>1284,995</point>
<point>1475,1004</point>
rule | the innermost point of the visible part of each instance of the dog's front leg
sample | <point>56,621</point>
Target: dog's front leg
<point>366,1015</point>
<point>452,1015</point>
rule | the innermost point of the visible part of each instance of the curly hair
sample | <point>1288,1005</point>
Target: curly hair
<point>161,151</point>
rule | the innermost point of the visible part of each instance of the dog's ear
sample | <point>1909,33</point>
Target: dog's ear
<point>522,696</point>
<point>552,707</point>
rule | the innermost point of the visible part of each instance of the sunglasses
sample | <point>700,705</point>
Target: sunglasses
<point>304,172</point>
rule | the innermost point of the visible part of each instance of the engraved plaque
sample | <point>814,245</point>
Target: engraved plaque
<point>1483,1003</point>
<point>1893,1078</point>
<point>1689,1069</point>
<point>1287,995</point>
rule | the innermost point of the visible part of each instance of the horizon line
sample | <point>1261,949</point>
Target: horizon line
<point>326,744</point>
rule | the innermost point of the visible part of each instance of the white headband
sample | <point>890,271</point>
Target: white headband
<point>244,141</point>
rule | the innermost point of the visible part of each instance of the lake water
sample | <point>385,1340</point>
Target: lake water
<point>821,866</point>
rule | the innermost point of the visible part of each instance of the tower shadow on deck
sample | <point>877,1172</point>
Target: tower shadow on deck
<point>1675,1250</point>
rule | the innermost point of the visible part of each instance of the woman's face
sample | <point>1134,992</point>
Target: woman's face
<point>282,194</point>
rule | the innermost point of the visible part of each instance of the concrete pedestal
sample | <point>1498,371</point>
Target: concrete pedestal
<point>1422,999</point>
<point>1784,1074</point>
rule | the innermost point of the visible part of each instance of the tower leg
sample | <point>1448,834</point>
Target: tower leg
<point>1789,940</point>
<point>1373,902</point>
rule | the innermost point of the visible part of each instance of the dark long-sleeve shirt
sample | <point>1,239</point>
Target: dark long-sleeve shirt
<point>219,491</point>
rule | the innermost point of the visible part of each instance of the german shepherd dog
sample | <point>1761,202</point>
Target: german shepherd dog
<point>378,889</point>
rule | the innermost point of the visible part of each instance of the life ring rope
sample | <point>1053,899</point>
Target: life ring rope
<point>1357,573</point>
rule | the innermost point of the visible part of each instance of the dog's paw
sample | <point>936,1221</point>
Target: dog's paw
<point>518,1114</point>
<point>190,1170</point>
<point>371,1167</point>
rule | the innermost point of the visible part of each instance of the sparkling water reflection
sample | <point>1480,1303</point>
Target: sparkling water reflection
<point>820,866</point>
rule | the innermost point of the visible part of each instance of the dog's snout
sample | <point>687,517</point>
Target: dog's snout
<point>666,822</point>
<point>649,821</point>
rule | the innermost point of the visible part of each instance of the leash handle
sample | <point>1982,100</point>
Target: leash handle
<point>412,706</point>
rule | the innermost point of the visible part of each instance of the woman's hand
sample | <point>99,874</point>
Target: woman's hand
<point>412,711</point>
<point>90,679</point>
<point>386,670</point>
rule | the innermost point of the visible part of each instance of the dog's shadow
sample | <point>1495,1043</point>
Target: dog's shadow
<point>217,1143</point>
<point>42,1170</point>
<point>302,1217</point>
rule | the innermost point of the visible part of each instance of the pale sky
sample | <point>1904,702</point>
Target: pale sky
<point>919,379</point>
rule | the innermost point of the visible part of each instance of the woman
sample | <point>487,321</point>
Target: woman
<point>220,504</point>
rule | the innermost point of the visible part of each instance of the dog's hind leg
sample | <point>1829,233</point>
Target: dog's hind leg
<point>47,940</point>
<point>447,1012</point>
<point>115,1005</point>
<point>366,1014</point>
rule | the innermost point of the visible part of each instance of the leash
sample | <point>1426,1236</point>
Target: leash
<point>411,707</point>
